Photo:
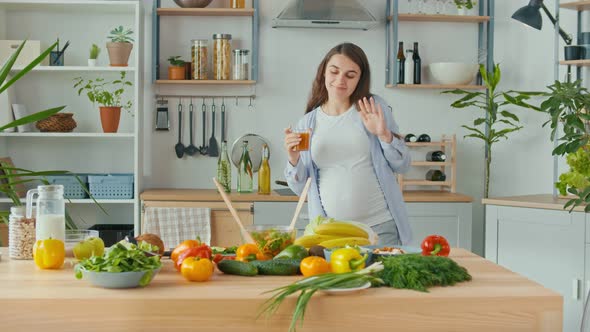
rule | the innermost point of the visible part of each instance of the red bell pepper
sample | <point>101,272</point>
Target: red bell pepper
<point>202,251</point>
<point>435,245</point>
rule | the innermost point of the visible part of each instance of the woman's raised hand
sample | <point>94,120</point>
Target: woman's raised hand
<point>291,141</point>
<point>374,120</point>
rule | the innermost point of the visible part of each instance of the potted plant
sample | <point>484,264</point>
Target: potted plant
<point>120,46</point>
<point>108,94</point>
<point>567,106</point>
<point>464,5</point>
<point>496,123</point>
<point>94,52</point>
<point>176,70</point>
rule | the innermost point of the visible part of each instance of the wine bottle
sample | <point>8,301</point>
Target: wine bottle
<point>401,62</point>
<point>410,138</point>
<point>435,175</point>
<point>436,156</point>
<point>409,74</point>
<point>264,173</point>
<point>424,138</point>
<point>417,65</point>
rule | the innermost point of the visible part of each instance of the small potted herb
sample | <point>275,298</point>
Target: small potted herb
<point>464,5</point>
<point>176,69</point>
<point>94,52</point>
<point>120,46</point>
<point>109,96</point>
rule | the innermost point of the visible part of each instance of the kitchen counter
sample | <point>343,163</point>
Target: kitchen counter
<point>213,196</point>
<point>496,299</point>
<point>540,201</point>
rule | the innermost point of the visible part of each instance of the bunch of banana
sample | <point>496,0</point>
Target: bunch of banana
<point>335,234</point>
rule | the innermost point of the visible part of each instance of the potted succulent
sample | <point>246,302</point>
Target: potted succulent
<point>464,5</point>
<point>120,46</point>
<point>108,94</point>
<point>176,70</point>
<point>94,52</point>
<point>496,122</point>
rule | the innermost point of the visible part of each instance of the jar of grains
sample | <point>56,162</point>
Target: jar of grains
<point>240,68</point>
<point>221,56</point>
<point>199,59</point>
<point>21,234</point>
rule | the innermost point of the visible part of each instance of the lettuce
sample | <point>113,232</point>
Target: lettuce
<point>579,174</point>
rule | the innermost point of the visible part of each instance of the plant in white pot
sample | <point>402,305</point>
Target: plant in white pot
<point>463,6</point>
<point>94,52</point>
<point>108,94</point>
<point>120,46</point>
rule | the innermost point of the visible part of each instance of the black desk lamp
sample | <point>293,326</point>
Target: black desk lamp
<point>531,16</point>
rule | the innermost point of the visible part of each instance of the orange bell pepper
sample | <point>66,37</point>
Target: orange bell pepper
<point>49,253</point>
<point>197,269</point>
<point>314,265</point>
<point>249,252</point>
<point>187,244</point>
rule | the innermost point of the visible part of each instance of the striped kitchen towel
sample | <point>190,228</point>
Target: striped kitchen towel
<point>175,225</point>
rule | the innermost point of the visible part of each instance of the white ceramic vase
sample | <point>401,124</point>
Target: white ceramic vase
<point>91,62</point>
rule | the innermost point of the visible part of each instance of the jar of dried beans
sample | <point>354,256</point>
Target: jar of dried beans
<point>221,56</point>
<point>21,234</point>
<point>199,59</point>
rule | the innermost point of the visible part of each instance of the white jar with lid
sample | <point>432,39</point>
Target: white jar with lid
<point>21,234</point>
<point>241,66</point>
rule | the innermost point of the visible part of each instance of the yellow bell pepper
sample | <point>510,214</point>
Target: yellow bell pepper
<point>197,269</point>
<point>49,253</point>
<point>347,260</point>
<point>249,252</point>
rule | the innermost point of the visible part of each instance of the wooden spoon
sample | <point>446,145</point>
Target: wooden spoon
<point>233,212</point>
<point>300,203</point>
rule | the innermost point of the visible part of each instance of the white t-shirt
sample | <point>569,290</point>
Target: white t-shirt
<point>347,182</point>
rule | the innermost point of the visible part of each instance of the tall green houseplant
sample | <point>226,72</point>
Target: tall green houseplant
<point>496,122</point>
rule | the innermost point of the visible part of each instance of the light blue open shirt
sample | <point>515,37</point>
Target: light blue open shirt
<point>387,158</point>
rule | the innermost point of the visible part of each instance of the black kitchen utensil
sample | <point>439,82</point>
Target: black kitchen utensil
<point>179,147</point>
<point>213,149</point>
<point>203,148</point>
<point>222,120</point>
<point>162,121</point>
<point>191,149</point>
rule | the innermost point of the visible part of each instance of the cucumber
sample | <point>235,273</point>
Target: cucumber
<point>278,267</point>
<point>238,268</point>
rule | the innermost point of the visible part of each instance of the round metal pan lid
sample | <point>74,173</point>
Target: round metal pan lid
<point>255,143</point>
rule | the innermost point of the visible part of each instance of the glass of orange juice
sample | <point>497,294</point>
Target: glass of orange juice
<point>304,133</point>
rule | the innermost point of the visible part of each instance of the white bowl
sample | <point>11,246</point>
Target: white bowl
<point>118,279</point>
<point>453,72</point>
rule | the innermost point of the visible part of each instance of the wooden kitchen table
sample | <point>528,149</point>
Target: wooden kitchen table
<point>495,300</point>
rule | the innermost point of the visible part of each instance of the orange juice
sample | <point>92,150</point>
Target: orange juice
<point>304,144</point>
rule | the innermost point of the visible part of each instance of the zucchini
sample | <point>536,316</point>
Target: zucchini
<point>277,267</point>
<point>229,266</point>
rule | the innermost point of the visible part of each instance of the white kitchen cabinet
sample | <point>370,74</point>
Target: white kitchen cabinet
<point>87,149</point>
<point>547,246</point>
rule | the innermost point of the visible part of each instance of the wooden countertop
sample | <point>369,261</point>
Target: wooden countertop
<point>213,195</point>
<point>540,201</point>
<point>53,300</point>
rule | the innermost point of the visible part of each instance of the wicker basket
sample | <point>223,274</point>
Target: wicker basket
<point>60,122</point>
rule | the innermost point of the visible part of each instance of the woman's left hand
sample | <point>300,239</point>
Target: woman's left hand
<point>374,120</point>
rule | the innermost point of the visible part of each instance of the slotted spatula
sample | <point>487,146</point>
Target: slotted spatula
<point>213,149</point>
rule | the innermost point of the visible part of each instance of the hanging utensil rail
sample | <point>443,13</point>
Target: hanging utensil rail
<point>158,96</point>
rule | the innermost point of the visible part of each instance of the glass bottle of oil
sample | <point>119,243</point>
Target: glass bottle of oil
<point>264,173</point>
<point>224,168</point>
<point>245,176</point>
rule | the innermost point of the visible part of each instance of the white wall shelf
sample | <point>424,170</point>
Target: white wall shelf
<point>84,201</point>
<point>54,135</point>
<point>77,68</point>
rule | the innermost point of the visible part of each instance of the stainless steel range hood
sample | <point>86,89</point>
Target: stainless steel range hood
<point>340,14</point>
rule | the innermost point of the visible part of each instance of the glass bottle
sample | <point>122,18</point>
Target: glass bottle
<point>401,63</point>
<point>21,234</point>
<point>264,173</point>
<point>238,3</point>
<point>436,156</point>
<point>50,215</point>
<point>224,168</point>
<point>435,175</point>
<point>409,73</point>
<point>417,65</point>
<point>245,176</point>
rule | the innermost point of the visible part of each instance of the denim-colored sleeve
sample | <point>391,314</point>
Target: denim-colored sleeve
<point>396,153</point>
<point>296,176</point>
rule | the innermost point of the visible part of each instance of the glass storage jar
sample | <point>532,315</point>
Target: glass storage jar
<point>221,56</point>
<point>238,3</point>
<point>241,67</point>
<point>21,234</point>
<point>199,56</point>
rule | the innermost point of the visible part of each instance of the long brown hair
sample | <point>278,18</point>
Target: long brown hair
<point>319,94</point>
